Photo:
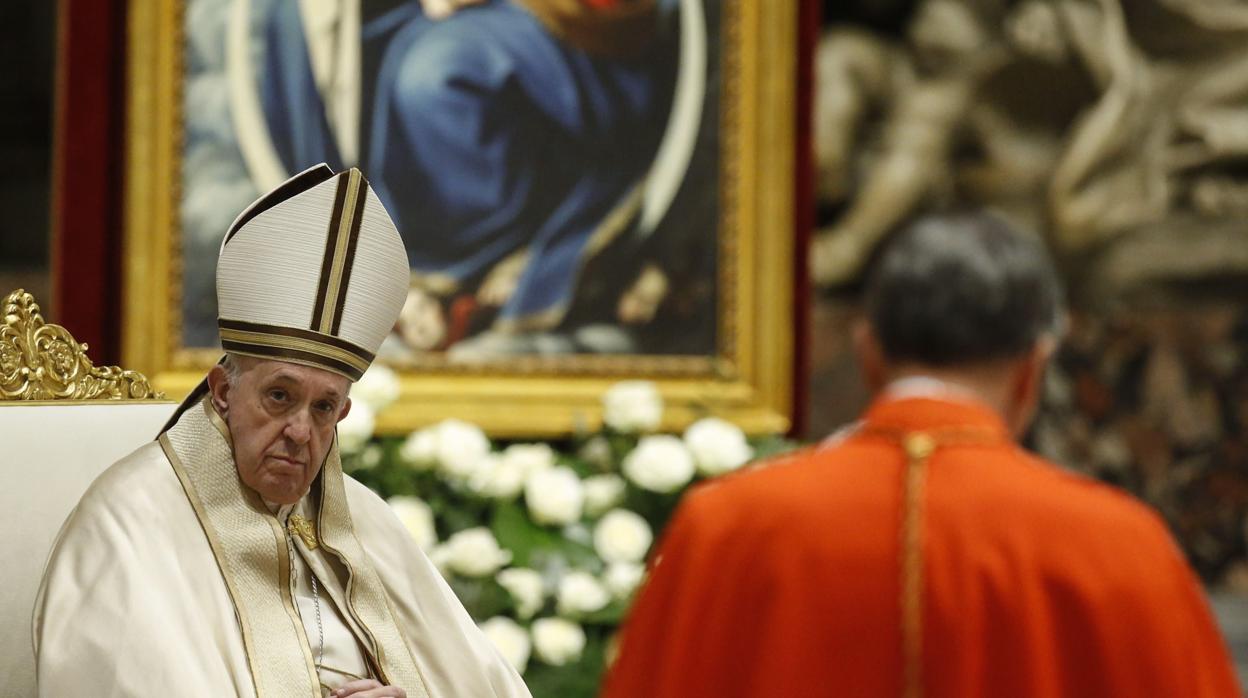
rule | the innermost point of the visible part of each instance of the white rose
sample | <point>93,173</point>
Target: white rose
<point>659,464</point>
<point>717,446</point>
<point>558,641</point>
<point>632,406</point>
<point>622,536</point>
<point>417,518</point>
<point>461,448</point>
<point>554,496</point>
<point>580,592</point>
<point>529,458</point>
<point>475,553</point>
<point>378,387</point>
<point>420,449</point>
<point>494,477</point>
<point>602,492</point>
<point>622,578</point>
<point>356,429</point>
<point>371,457</point>
<point>525,587</point>
<point>511,640</point>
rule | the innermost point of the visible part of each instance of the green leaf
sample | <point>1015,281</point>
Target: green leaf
<point>654,507</point>
<point>579,679</point>
<point>535,546</point>
<point>517,533</point>
<point>484,598</point>
<point>772,445</point>
<point>611,615</point>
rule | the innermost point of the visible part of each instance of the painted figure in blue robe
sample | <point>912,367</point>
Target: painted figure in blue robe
<point>508,139</point>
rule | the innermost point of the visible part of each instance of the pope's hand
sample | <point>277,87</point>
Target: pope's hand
<point>441,9</point>
<point>368,688</point>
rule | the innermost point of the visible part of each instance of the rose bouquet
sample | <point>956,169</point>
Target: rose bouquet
<point>544,544</point>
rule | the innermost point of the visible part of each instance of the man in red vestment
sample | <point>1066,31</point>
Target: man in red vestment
<point>921,551</point>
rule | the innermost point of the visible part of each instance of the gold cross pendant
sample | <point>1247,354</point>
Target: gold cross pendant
<point>305,529</point>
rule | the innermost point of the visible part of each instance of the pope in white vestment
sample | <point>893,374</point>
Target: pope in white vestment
<point>177,573</point>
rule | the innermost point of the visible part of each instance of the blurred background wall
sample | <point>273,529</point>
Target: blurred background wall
<point>27,50</point>
<point>1113,130</point>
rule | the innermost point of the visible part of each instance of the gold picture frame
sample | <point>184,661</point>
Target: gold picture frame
<point>749,380</point>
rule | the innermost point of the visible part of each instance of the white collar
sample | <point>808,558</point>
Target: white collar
<point>928,387</point>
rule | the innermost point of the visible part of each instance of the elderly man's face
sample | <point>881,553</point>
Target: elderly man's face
<point>281,418</point>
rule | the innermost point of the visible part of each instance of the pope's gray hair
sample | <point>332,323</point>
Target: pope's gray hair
<point>234,368</point>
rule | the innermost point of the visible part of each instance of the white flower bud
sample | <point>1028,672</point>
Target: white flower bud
<point>420,449</point>
<point>602,492</point>
<point>371,457</point>
<point>717,446</point>
<point>529,458</point>
<point>378,388</point>
<point>580,592</point>
<point>356,428</point>
<point>621,578</point>
<point>417,518</point>
<point>622,536</point>
<point>659,464</point>
<point>511,640</point>
<point>475,553</point>
<point>632,406</point>
<point>526,588</point>
<point>554,496</point>
<point>461,449</point>
<point>558,641</point>
<point>497,478</point>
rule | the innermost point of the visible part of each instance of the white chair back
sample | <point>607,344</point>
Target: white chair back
<point>49,454</point>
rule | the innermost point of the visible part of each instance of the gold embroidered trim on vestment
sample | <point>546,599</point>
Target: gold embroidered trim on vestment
<point>918,447</point>
<point>250,549</point>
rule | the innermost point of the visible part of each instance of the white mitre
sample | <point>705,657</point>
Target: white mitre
<point>314,273</point>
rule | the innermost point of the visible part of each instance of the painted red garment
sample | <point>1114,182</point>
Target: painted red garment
<point>784,580</point>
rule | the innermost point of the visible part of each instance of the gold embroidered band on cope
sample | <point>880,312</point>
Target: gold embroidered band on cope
<point>250,547</point>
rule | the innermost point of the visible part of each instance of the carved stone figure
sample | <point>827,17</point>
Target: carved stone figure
<point>1116,129</point>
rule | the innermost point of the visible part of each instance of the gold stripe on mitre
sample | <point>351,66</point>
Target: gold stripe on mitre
<point>340,241</point>
<point>298,346</point>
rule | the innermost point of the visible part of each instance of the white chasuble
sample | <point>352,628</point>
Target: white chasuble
<point>170,578</point>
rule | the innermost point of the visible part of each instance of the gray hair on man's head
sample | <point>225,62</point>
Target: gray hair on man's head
<point>959,288</point>
<point>234,368</point>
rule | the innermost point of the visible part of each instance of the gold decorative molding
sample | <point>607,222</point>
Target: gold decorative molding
<point>39,361</point>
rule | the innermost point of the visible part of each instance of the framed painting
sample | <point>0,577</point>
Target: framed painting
<point>589,191</point>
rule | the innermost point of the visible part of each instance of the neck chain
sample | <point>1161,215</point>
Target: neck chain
<point>316,601</point>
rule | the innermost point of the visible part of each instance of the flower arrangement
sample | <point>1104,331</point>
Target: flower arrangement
<point>544,544</point>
